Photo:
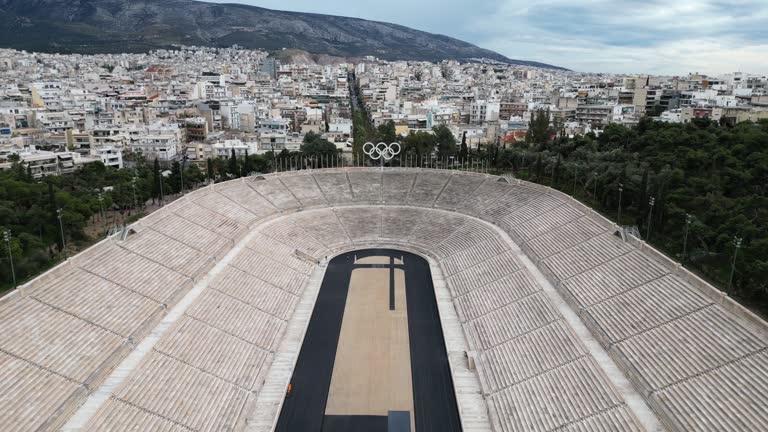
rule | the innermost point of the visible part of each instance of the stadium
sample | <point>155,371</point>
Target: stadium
<point>367,299</point>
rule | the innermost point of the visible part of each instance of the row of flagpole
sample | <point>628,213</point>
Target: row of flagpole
<point>338,160</point>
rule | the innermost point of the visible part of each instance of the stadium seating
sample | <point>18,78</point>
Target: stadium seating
<point>673,337</point>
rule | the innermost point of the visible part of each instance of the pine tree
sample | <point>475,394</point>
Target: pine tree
<point>387,132</point>
<point>247,165</point>
<point>446,142</point>
<point>539,130</point>
<point>175,181</point>
<point>210,169</point>
<point>233,168</point>
<point>493,154</point>
<point>156,181</point>
<point>464,151</point>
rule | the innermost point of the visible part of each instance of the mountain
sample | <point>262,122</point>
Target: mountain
<point>114,26</point>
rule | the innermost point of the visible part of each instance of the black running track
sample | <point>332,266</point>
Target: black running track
<point>433,395</point>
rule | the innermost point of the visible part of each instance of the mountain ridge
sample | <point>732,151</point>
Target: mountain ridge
<point>114,26</point>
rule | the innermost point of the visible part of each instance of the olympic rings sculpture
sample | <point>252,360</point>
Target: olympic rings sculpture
<point>381,150</point>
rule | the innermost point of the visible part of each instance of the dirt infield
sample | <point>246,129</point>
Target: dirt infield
<point>372,371</point>
<point>373,356</point>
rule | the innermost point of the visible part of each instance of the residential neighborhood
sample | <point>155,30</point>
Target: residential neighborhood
<point>58,112</point>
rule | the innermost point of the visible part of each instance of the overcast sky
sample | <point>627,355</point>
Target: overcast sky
<point>624,36</point>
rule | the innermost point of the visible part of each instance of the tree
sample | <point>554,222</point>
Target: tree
<point>420,144</point>
<point>387,133</point>
<point>193,175</point>
<point>174,183</point>
<point>156,187</point>
<point>311,137</point>
<point>233,168</point>
<point>220,166</point>
<point>260,163</point>
<point>446,71</point>
<point>315,146</point>
<point>644,124</point>
<point>539,169</point>
<point>209,169</point>
<point>539,130</point>
<point>642,200</point>
<point>446,142</point>
<point>359,134</point>
<point>464,151</point>
<point>247,165</point>
<point>556,172</point>
<point>493,155</point>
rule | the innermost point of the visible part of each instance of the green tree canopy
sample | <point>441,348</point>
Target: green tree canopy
<point>446,142</point>
<point>315,145</point>
<point>464,150</point>
<point>540,131</point>
<point>233,168</point>
<point>420,143</point>
<point>387,133</point>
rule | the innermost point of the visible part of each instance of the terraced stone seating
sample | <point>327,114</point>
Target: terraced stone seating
<point>225,256</point>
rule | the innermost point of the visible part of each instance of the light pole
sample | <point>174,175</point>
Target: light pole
<point>133,186</point>
<point>621,192</point>
<point>162,196</point>
<point>7,236</point>
<point>594,194</point>
<point>737,243</point>
<point>651,202</point>
<point>61,228</point>
<point>575,177</point>
<point>688,220</point>
<point>101,205</point>
<point>181,174</point>
<point>101,209</point>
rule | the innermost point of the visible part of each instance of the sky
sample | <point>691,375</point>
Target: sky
<point>661,37</point>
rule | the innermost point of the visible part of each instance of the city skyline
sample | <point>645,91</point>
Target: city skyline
<point>624,36</point>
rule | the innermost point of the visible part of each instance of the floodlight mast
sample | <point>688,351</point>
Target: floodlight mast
<point>7,237</point>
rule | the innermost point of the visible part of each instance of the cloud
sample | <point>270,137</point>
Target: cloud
<point>622,36</point>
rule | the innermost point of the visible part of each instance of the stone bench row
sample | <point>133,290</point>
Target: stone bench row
<point>178,392</point>
<point>567,395</point>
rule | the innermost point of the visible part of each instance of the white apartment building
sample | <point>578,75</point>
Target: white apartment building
<point>223,149</point>
<point>54,122</point>
<point>45,163</point>
<point>481,111</point>
<point>273,141</point>
<point>161,147</point>
<point>109,156</point>
<point>47,95</point>
<point>671,116</point>
<point>340,126</point>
